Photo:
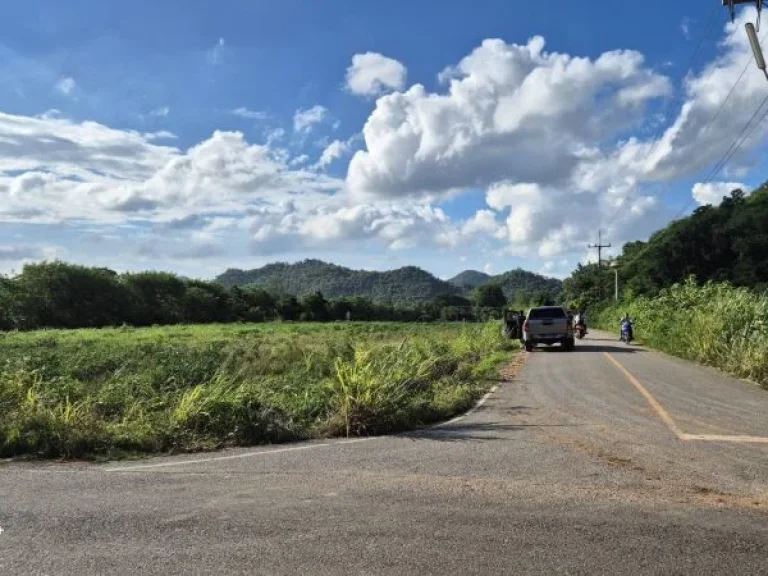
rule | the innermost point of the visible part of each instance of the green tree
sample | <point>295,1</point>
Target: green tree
<point>205,302</point>
<point>8,304</point>
<point>157,296</point>
<point>490,296</point>
<point>315,306</point>
<point>59,295</point>
<point>288,308</point>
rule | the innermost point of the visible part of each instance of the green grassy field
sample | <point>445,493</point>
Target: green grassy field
<point>125,391</point>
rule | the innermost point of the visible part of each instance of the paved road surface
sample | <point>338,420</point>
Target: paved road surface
<point>578,466</point>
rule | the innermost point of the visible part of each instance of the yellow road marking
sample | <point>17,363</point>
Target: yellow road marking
<point>662,413</point>
<point>667,419</point>
<point>721,438</point>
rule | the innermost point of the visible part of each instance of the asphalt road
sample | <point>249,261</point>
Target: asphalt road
<point>577,466</point>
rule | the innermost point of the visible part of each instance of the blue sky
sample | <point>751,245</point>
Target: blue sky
<point>194,136</point>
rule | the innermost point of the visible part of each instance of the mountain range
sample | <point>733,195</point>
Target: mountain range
<point>407,284</point>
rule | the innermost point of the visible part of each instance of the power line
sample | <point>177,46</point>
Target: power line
<point>728,155</point>
<point>736,143</point>
<point>746,136</point>
<point>732,149</point>
<point>705,130</point>
<point>696,51</point>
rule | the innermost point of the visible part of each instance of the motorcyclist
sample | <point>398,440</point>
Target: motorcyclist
<point>583,320</point>
<point>628,320</point>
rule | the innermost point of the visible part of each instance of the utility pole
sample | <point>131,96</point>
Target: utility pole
<point>752,30</point>
<point>599,247</point>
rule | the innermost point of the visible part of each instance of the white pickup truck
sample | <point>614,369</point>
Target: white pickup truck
<point>548,325</point>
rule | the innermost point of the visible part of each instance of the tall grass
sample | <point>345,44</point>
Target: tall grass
<point>714,324</point>
<point>117,391</point>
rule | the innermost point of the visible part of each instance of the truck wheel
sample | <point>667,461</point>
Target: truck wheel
<point>569,345</point>
<point>528,347</point>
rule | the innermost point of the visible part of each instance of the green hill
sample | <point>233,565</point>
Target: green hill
<point>408,284</point>
<point>469,279</point>
<point>520,280</point>
<point>725,243</point>
<point>512,282</point>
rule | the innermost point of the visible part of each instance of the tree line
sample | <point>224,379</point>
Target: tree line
<point>62,295</point>
<point>725,243</point>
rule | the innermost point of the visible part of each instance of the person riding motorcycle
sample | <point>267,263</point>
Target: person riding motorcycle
<point>628,322</point>
<point>580,319</point>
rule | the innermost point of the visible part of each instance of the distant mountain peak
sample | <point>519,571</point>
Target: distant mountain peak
<point>512,282</point>
<point>471,278</point>
<point>405,284</point>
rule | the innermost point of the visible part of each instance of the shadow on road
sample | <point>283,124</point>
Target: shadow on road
<point>480,431</point>
<point>464,432</point>
<point>603,348</point>
<point>592,348</point>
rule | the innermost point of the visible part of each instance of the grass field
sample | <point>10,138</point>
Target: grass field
<point>126,391</point>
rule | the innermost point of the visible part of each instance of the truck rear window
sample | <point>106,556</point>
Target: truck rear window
<point>544,313</point>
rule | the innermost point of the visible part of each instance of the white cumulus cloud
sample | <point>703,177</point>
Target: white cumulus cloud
<point>506,105</point>
<point>304,120</point>
<point>333,151</point>
<point>714,192</point>
<point>54,169</point>
<point>372,73</point>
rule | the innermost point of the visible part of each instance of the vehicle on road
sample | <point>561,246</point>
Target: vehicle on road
<point>548,325</point>
<point>580,326</point>
<point>626,330</point>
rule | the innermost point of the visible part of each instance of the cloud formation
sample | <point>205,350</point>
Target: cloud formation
<point>372,74</point>
<point>249,114</point>
<point>506,105</point>
<point>303,120</point>
<point>714,192</point>
<point>556,143</point>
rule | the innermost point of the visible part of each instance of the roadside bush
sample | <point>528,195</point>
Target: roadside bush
<point>714,324</point>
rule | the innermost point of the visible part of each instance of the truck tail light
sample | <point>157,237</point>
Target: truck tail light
<point>525,325</point>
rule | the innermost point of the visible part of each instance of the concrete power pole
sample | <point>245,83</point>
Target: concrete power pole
<point>599,247</point>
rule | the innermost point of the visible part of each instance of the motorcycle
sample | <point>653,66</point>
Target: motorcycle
<point>626,331</point>
<point>579,330</point>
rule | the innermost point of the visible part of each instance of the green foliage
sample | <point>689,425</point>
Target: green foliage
<point>728,243</point>
<point>404,285</point>
<point>582,289</point>
<point>715,324</point>
<point>520,287</point>
<point>489,296</point>
<point>66,296</point>
<point>470,279</point>
<point>108,392</point>
<point>59,295</point>
<point>523,286</point>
